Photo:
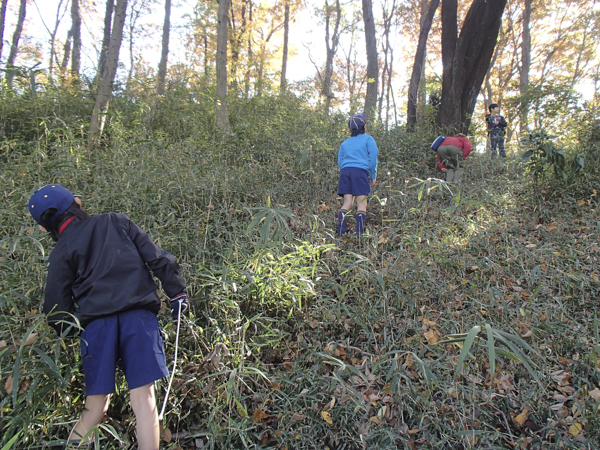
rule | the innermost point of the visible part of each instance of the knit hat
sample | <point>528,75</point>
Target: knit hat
<point>357,121</point>
<point>50,196</point>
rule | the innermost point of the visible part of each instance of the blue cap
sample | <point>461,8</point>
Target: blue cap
<point>50,196</point>
<point>357,121</point>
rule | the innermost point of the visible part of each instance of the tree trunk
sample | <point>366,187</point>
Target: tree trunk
<point>331,47</point>
<point>59,17</point>
<point>66,53</point>
<point>525,66</point>
<point>110,6</point>
<point>418,64</point>
<point>222,116</point>
<point>76,33</point>
<point>162,66</point>
<point>2,22</point>
<point>466,59</point>
<point>286,33</point>
<point>372,64</point>
<point>17,35</point>
<point>108,76</point>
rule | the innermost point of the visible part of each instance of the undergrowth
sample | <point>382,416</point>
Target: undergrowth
<point>297,339</point>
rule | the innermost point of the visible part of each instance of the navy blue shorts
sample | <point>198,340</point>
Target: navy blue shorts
<point>354,181</point>
<point>133,337</point>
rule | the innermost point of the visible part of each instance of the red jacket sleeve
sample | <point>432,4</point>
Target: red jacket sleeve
<point>440,165</point>
<point>467,148</point>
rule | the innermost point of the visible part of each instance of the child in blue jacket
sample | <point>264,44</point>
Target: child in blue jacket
<point>99,272</point>
<point>357,159</point>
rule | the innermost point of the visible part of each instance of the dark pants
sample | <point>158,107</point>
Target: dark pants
<point>497,142</point>
<point>452,158</point>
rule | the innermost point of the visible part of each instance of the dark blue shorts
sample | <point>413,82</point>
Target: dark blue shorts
<point>131,336</point>
<point>354,181</point>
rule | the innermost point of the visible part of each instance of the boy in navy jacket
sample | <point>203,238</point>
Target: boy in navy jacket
<point>496,130</point>
<point>99,272</point>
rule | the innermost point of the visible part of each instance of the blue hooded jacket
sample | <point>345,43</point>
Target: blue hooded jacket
<point>360,152</point>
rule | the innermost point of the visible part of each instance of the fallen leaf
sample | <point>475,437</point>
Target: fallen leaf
<point>431,337</point>
<point>9,384</point>
<point>329,405</point>
<point>595,394</point>
<point>521,418</point>
<point>314,323</point>
<point>2,344</point>
<point>327,417</point>
<point>413,431</point>
<point>376,420</point>
<point>31,339</point>
<point>167,436</point>
<point>259,415</point>
<point>575,428</point>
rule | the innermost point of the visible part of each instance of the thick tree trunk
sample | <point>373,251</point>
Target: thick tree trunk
<point>2,22</point>
<point>372,63</point>
<point>331,47</point>
<point>467,61</point>
<point>17,35</point>
<point>286,33</point>
<point>110,6</point>
<point>76,33</point>
<point>162,66</point>
<point>418,64</point>
<point>525,66</point>
<point>108,76</point>
<point>222,115</point>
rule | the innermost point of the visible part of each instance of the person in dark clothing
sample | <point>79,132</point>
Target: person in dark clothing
<point>451,155</point>
<point>99,273</point>
<point>496,125</point>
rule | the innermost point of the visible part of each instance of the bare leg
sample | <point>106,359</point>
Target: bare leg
<point>348,200</point>
<point>92,415</point>
<point>361,203</point>
<point>143,404</point>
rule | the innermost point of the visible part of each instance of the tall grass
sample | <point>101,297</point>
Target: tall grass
<point>296,339</point>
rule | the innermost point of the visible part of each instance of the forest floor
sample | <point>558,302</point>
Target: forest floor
<point>465,318</point>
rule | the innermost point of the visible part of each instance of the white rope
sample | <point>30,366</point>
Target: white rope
<point>162,411</point>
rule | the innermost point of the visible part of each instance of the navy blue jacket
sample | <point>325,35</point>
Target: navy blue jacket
<point>99,266</point>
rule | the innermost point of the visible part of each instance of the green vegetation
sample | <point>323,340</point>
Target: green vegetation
<point>465,319</point>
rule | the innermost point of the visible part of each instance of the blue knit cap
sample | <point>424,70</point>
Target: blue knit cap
<point>50,196</point>
<point>357,121</point>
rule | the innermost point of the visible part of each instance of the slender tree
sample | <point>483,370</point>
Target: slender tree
<point>372,62</point>
<point>110,6</point>
<point>59,16</point>
<point>286,34</point>
<point>418,63</point>
<point>108,76</point>
<point>525,65</point>
<point>17,34</point>
<point>76,33</point>
<point>162,66</point>
<point>222,115</point>
<point>332,41</point>
<point>466,58</point>
<point>2,22</point>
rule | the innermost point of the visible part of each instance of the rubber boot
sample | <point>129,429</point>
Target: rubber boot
<point>341,224</point>
<point>458,174</point>
<point>449,175</point>
<point>361,216</point>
